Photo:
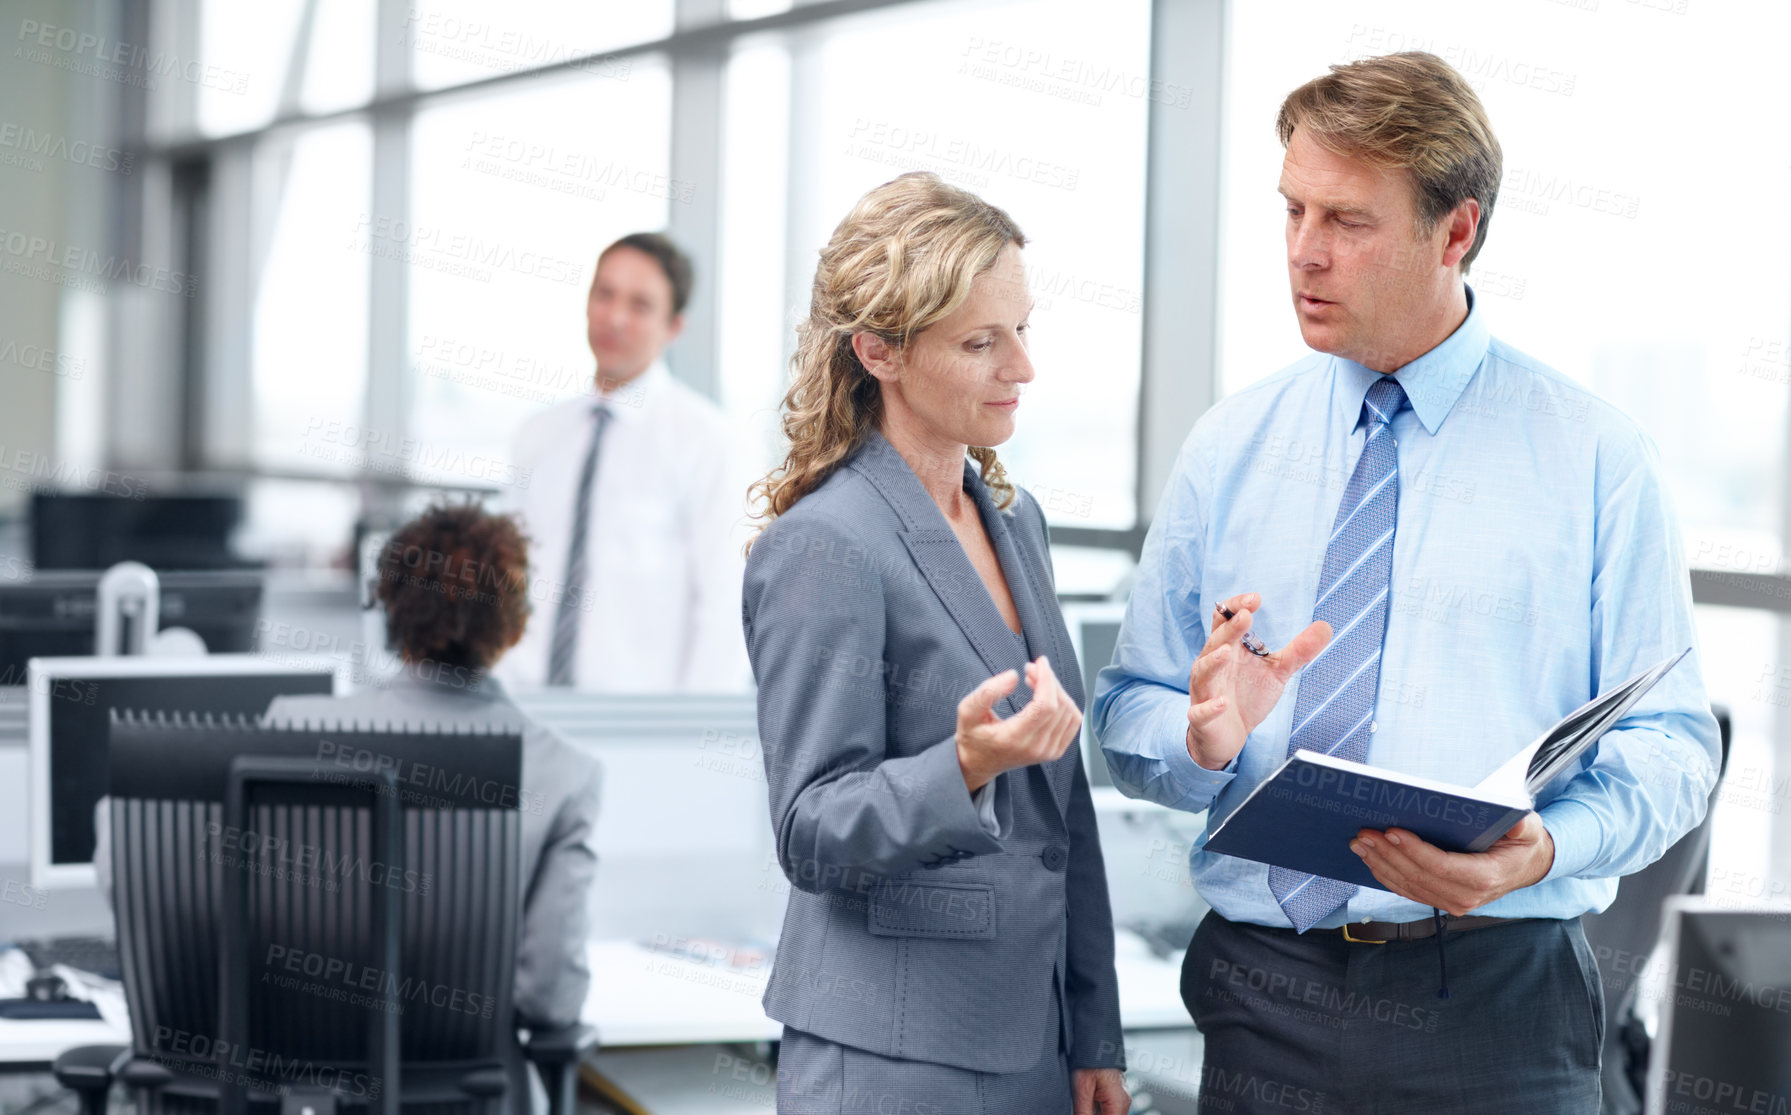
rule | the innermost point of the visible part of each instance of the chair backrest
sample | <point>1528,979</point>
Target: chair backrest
<point>1623,936</point>
<point>373,878</point>
<point>1631,925</point>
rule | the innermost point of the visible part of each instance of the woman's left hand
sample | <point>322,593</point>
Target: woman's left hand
<point>1100,1092</point>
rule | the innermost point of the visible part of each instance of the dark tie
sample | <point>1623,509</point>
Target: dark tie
<point>563,657</point>
<point>1335,708</point>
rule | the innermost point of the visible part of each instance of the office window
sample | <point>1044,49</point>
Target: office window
<point>759,300</point>
<point>1041,110</point>
<point>307,244</point>
<point>511,188</point>
<point>456,41</point>
<point>513,194</point>
<point>756,9</point>
<point>1740,672</point>
<point>296,524</point>
<point>1637,246</point>
<point>274,58</point>
<point>1602,249</point>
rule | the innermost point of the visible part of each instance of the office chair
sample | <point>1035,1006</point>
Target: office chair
<point>1629,929</point>
<point>314,920</point>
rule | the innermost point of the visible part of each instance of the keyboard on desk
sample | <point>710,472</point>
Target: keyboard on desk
<point>98,955</point>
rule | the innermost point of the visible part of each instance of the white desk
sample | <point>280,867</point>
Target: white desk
<point>40,1041</point>
<point>1150,990</point>
<point>642,997</point>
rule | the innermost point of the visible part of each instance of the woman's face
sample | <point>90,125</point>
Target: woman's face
<point>960,380</point>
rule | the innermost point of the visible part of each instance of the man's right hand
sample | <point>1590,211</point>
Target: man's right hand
<point>1231,691</point>
<point>1038,733</point>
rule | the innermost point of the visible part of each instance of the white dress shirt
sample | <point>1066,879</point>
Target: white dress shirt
<point>662,549</point>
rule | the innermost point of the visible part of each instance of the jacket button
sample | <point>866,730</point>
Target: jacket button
<point>1055,858</point>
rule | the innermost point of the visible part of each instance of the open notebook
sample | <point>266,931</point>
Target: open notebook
<point>1304,815</point>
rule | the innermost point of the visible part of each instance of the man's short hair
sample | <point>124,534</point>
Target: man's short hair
<point>670,258</point>
<point>1409,111</point>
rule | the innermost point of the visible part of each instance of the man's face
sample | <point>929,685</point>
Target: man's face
<point>1363,280</point>
<point>629,319</point>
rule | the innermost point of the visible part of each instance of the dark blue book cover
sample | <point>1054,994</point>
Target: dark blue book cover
<point>1304,816</point>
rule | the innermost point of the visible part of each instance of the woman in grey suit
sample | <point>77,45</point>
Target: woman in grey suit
<point>948,945</point>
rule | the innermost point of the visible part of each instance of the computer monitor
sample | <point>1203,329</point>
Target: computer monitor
<point>52,614</point>
<point>97,530</point>
<point>69,705</point>
<point>1724,1038</point>
<point>1094,629</point>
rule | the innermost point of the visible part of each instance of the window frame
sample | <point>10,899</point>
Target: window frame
<point>204,178</point>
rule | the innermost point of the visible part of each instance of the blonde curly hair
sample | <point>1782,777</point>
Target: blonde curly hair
<point>901,261</point>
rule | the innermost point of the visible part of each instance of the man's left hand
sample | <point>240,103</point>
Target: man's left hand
<point>1457,882</point>
<point>1100,1092</point>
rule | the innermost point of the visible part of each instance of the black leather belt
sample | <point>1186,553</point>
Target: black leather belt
<point>1383,932</point>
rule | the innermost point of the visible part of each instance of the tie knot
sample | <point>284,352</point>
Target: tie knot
<point>1384,400</point>
<point>600,412</point>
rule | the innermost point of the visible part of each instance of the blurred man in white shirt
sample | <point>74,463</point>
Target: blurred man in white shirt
<point>646,599</point>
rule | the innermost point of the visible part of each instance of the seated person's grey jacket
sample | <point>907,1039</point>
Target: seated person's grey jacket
<point>560,791</point>
<point>561,787</point>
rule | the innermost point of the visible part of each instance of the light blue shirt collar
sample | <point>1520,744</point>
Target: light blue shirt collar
<point>1432,382</point>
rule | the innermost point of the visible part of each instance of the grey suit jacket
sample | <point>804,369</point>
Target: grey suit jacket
<point>911,930</point>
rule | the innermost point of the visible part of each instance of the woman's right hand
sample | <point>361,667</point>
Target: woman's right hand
<point>1039,733</point>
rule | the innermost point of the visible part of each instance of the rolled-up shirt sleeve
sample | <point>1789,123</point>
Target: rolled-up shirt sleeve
<point>1650,778</point>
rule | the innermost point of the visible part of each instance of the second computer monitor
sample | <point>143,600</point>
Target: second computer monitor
<point>54,613</point>
<point>167,530</point>
<point>1724,1041</point>
<point>70,706</point>
<point>1094,629</point>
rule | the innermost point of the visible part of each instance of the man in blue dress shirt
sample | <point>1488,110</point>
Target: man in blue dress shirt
<point>1452,546</point>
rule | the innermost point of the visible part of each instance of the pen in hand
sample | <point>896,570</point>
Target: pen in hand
<point>1251,642</point>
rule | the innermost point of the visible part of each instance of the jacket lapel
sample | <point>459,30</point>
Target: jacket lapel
<point>1039,616</point>
<point>941,560</point>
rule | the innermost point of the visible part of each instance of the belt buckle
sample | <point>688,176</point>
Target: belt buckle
<point>1358,940</point>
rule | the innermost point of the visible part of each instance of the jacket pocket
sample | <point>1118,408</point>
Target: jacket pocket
<point>905,908</point>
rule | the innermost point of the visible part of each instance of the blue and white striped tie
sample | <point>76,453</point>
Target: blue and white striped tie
<point>1335,708</point>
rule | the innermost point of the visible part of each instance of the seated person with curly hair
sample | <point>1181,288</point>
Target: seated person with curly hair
<point>454,586</point>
